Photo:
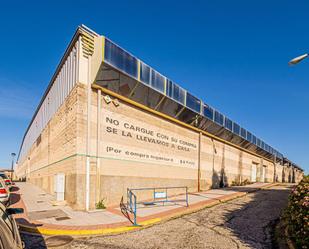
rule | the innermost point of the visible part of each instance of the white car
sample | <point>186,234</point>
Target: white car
<point>6,179</point>
<point>9,234</point>
<point>4,192</point>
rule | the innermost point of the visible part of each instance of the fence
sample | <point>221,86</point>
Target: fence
<point>159,195</point>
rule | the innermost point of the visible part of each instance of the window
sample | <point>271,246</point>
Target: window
<point>228,124</point>
<point>254,139</point>
<point>262,145</point>
<point>175,92</point>
<point>208,112</point>
<point>219,118</point>
<point>243,133</point>
<point>157,81</point>
<point>236,128</point>
<point>145,73</point>
<point>120,59</point>
<point>258,142</point>
<point>271,150</point>
<point>249,136</point>
<point>193,103</point>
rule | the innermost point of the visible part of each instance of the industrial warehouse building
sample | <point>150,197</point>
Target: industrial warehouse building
<point>108,122</point>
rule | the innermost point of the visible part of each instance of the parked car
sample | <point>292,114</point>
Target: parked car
<point>7,180</point>
<point>4,192</point>
<point>9,234</point>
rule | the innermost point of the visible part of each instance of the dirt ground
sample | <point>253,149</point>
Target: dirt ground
<point>247,222</point>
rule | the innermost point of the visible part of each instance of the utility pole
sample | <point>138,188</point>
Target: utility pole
<point>12,166</point>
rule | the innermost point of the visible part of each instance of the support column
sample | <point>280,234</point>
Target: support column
<point>199,163</point>
<point>240,162</point>
<point>275,169</point>
<point>222,183</point>
<point>87,199</point>
<point>213,178</point>
<point>98,169</point>
<point>260,170</point>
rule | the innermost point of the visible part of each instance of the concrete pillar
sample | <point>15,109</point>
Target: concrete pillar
<point>98,169</point>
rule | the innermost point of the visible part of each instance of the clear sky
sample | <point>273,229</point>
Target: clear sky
<point>231,54</point>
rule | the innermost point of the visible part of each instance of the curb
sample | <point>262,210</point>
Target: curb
<point>103,231</point>
<point>147,223</point>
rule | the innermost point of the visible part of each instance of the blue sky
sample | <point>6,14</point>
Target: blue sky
<point>231,54</point>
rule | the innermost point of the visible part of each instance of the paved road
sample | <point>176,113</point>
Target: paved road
<point>246,222</point>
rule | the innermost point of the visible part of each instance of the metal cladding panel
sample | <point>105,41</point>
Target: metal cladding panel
<point>194,111</point>
<point>59,90</point>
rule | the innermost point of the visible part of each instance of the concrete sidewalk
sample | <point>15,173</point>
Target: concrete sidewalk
<point>43,216</point>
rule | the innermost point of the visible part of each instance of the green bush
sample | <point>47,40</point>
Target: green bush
<point>238,183</point>
<point>297,214</point>
<point>100,205</point>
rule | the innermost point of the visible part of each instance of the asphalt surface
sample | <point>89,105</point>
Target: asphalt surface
<point>246,222</point>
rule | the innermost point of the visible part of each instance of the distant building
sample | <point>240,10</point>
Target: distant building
<point>108,122</point>
<point>8,172</point>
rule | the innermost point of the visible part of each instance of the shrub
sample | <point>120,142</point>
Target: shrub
<point>297,214</point>
<point>238,183</point>
<point>100,204</point>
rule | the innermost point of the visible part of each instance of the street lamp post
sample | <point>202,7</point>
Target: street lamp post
<point>12,166</point>
<point>298,59</point>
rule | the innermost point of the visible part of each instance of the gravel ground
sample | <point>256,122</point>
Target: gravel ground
<point>246,222</point>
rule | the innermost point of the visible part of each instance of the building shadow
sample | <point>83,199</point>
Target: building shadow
<point>254,223</point>
<point>293,179</point>
<point>14,189</point>
<point>219,180</point>
<point>223,179</point>
<point>215,180</point>
<point>14,198</point>
<point>31,240</point>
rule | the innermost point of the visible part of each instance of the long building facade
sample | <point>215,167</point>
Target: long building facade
<point>108,122</point>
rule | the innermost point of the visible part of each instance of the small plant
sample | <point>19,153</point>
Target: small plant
<point>238,183</point>
<point>246,182</point>
<point>100,204</point>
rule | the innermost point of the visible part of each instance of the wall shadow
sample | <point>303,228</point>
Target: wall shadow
<point>254,223</point>
<point>215,180</point>
<point>293,177</point>
<point>219,180</point>
<point>290,177</point>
